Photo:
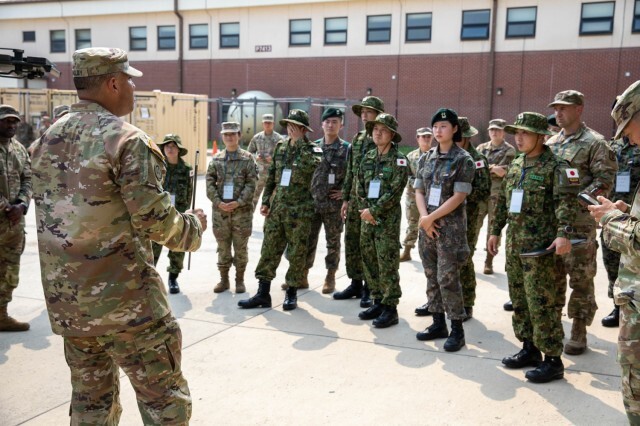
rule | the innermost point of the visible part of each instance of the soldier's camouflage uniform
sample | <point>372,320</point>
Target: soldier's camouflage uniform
<point>232,228</point>
<point>99,204</point>
<point>443,257</point>
<point>410,208</point>
<point>379,243</point>
<point>327,210</point>
<point>588,152</point>
<point>261,146</point>
<point>291,210</point>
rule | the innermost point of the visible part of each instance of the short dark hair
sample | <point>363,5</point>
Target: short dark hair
<point>93,82</point>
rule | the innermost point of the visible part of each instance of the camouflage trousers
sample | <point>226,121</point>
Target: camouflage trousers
<point>611,261</point>
<point>151,358</point>
<point>533,296</point>
<point>232,229</point>
<point>352,254</point>
<point>581,265</point>
<point>442,259</point>
<point>468,272</point>
<point>629,359</point>
<point>176,259</point>
<point>262,180</point>
<point>379,245</point>
<point>12,242</point>
<point>332,223</point>
<point>284,229</point>
<point>413,217</point>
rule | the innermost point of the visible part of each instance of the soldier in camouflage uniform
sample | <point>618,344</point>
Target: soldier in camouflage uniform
<point>177,182</point>
<point>621,229</point>
<point>24,133</point>
<point>231,182</point>
<point>381,179</point>
<point>589,156</point>
<point>627,179</point>
<point>99,203</point>
<point>444,180</point>
<point>536,202</point>
<point>289,214</point>
<point>15,196</point>
<point>368,109</point>
<point>423,138</point>
<point>261,146</point>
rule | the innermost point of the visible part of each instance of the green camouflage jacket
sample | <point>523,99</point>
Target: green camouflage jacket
<point>238,167</point>
<point>481,180</point>
<point>334,162</point>
<point>360,145</point>
<point>177,181</point>
<point>628,157</point>
<point>15,175</point>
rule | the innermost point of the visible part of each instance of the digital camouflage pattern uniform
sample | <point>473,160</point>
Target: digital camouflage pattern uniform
<point>262,146</point>
<point>410,208</point>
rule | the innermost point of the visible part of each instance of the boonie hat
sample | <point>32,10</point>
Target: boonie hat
<point>531,122</point>
<point>268,118</point>
<point>182,151</point>
<point>497,123</point>
<point>230,127</point>
<point>626,107</point>
<point>447,114</point>
<point>60,110</point>
<point>7,111</point>
<point>467,129</point>
<point>297,116</point>
<point>94,61</point>
<point>568,97</point>
<point>371,102</point>
<point>387,120</point>
<point>422,131</point>
<point>332,112</point>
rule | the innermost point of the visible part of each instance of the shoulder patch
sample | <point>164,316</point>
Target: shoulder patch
<point>401,162</point>
<point>317,149</point>
<point>191,173</point>
<point>573,175</point>
<point>153,147</point>
<point>480,164</point>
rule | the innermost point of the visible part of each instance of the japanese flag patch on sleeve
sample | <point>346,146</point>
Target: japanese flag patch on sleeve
<point>317,149</point>
<point>573,175</point>
<point>401,162</point>
<point>480,164</point>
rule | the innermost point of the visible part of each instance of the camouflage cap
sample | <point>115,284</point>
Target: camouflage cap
<point>568,97</point>
<point>422,131</point>
<point>467,129</point>
<point>60,110</point>
<point>182,151</point>
<point>297,116</point>
<point>497,123</point>
<point>627,105</point>
<point>102,60</point>
<point>7,111</point>
<point>371,102</point>
<point>230,127</point>
<point>387,120</point>
<point>332,112</point>
<point>531,122</point>
<point>267,118</point>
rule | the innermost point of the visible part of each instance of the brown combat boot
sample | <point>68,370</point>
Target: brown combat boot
<point>304,284</point>
<point>223,285</point>
<point>240,288</point>
<point>578,342</point>
<point>9,324</point>
<point>488,265</point>
<point>406,254</point>
<point>329,282</point>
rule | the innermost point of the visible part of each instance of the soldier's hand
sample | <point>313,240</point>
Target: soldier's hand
<point>498,171</point>
<point>562,245</point>
<point>232,206</point>
<point>14,213</point>
<point>605,207</point>
<point>425,222</point>
<point>492,245</point>
<point>268,158</point>
<point>343,210</point>
<point>367,216</point>
<point>264,211</point>
<point>199,213</point>
<point>432,232</point>
<point>335,194</point>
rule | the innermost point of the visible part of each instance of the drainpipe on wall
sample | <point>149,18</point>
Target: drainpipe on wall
<point>492,59</point>
<point>180,45</point>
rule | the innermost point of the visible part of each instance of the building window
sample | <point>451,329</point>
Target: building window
<point>597,18</point>
<point>475,24</point>
<point>300,32</point>
<point>137,38</point>
<point>28,36</point>
<point>521,22</point>
<point>418,27</point>
<point>83,39</point>
<point>58,41</point>
<point>635,27</point>
<point>229,35</point>
<point>199,36</point>
<point>335,31</point>
<point>166,37</point>
<point>379,29</point>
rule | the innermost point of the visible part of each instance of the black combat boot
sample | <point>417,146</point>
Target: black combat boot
<point>290,299</point>
<point>365,299</point>
<point>262,299</point>
<point>528,356</point>
<point>455,342</point>
<point>373,312</point>
<point>508,306</point>
<point>387,318</point>
<point>437,330</point>
<point>613,319</point>
<point>353,290</point>
<point>174,288</point>
<point>550,369</point>
<point>423,311</point>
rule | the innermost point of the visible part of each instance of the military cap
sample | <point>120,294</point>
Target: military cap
<point>531,122</point>
<point>230,127</point>
<point>182,151</point>
<point>7,111</point>
<point>497,123</point>
<point>626,107</point>
<point>447,114</point>
<point>332,112</point>
<point>102,60</point>
<point>568,97</point>
<point>60,110</point>
<point>297,116</point>
<point>467,129</point>
<point>371,102</point>
<point>387,120</point>
<point>424,131</point>
<point>268,118</point>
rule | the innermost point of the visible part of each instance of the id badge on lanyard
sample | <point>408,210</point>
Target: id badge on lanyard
<point>173,199</point>
<point>517,195</point>
<point>374,189</point>
<point>623,182</point>
<point>435,193</point>
<point>285,179</point>
<point>332,178</point>
<point>227,191</point>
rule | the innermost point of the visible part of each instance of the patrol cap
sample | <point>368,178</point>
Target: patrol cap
<point>7,111</point>
<point>422,131</point>
<point>59,111</point>
<point>568,97</point>
<point>387,120</point>
<point>267,118</point>
<point>332,112</point>
<point>182,151</point>
<point>94,61</point>
<point>626,107</point>
<point>230,127</point>
<point>467,129</point>
<point>531,122</point>
<point>297,116</point>
<point>447,114</point>
<point>497,123</point>
<point>371,102</point>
